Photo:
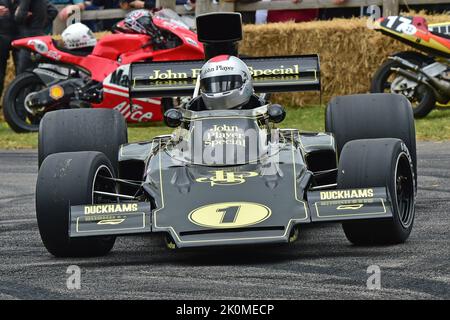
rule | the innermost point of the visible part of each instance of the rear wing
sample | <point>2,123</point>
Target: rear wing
<point>270,74</point>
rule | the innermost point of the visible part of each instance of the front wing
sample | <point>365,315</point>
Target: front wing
<point>250,223</point>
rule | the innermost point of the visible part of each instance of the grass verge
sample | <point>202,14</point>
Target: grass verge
<point>436,127</point>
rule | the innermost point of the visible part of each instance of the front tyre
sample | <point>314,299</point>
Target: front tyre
<point>379,163</point>
<point>69,179</point>
<point>14,111</point>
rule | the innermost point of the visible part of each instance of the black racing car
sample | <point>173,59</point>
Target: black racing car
<point>227,177</point>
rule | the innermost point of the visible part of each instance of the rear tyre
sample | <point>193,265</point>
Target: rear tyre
<point>102,130</point>
<point>422,99</point>
<point>379,163</point>
<point>14,111</point>
<point>372,116</point>
<point>167,104</point>
<point>69,179</point>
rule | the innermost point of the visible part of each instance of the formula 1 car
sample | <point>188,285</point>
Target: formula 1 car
<point>227,177</point>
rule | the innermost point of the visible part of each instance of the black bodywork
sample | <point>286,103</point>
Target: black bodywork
<point>240,197</point>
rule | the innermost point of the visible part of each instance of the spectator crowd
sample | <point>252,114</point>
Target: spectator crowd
<point>26,18</point>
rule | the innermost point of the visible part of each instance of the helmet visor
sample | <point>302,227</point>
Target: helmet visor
<point>221,83</point>
<point>146,24</point>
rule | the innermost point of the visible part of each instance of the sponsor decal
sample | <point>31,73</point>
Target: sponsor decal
<point>120,78</point>
<point>110,208</point>
<point>409,29</point>
<point>230,215</point>
<point>38,45</point>
<point>191,41</point>
<point>168,74</point>
<point>111,221</point>
<point>171,75</point>
<point>97,218</point>
<point>227,178</point>
<point>134,112</point>
<point>56,92</point>
<point>293,70</point>
<point>54,55</point>
<point>219,67</point>
<point>350,206</point>
<point>346,194</point>
<point>224,134</point>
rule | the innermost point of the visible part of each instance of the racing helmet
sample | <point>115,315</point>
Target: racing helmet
<point>140,21</point>
<point>225,83</point>
<point>78,36</point>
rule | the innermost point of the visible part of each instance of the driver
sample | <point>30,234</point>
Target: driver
<point>225,83</point>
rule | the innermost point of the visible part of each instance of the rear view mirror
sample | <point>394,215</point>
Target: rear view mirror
<point>173,118</point>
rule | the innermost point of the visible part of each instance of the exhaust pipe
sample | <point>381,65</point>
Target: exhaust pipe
<point>439,87</point>
<point>57,94</point>
<point>441,98</point>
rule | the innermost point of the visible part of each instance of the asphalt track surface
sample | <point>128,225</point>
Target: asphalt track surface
<point>321,264</point>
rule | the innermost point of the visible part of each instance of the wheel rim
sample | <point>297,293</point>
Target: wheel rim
<point>102,182</point>
<point>19,105</point>
<point>404,190</point>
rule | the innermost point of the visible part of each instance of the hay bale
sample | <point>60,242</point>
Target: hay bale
<point>349,52</point>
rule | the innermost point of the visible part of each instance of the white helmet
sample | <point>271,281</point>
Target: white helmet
<point>225,83</point>
<point>78,36</point>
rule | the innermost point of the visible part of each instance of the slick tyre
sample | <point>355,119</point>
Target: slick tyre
<point>372,116</point>
<point>102,130</point>
<point>14,111</point>
<point>379,163</point>
<point>64,180</point>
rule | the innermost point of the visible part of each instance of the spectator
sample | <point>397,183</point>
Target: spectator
<point>189,5</point>
<point>8,32</point>
<point>71,5</point>
<point>137,4</point>
<point>349,12</point>
<point>248,17</point>
<point>32,17</point>
<point>346,12</point>
<point>429,8</point>
<point>52,13</point>
<point>261,15</point>
<point>302,15</point>
<point>106,4</point>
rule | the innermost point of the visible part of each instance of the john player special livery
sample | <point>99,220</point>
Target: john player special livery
<point>226,176</point>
